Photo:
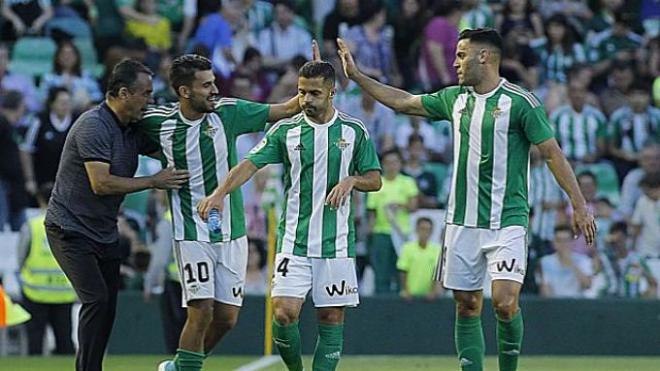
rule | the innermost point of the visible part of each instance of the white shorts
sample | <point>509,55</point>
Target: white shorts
<point>212,270</point>
<point>469,252</point>
<point>333,281</point>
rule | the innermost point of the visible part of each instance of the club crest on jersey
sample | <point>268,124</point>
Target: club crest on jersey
<point>342,144</point>
<point>210,130</point>
<point>496,112</point>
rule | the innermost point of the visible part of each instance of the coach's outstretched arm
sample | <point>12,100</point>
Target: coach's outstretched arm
<point>397,99</point>
<point>236,178</point>
<point>582,221</point>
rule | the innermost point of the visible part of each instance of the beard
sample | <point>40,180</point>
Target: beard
<point>205,105</point>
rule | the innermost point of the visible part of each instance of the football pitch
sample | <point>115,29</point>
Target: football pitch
<point>357,363</point>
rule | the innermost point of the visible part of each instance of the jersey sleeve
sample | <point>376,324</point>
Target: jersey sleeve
<point>439,104</point>
<point>246,116</point>
<point>535,124</point>
<point>366,156</point>
<point>149,130</point>
<point>269,150</point>
<point>94,141</point>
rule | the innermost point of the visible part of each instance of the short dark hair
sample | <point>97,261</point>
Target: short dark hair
<point>183,69</point>
<point>650,180</point>
<point>619,227</point>
<point>643,85</point>
<point>588,174</point>
<point>424,219</point>
<point>392,151</point>
<point>314,69</point>
<point>488,36</point>
<point>415,138</point>
<point>124,75</point>
<point>563,228</point>
<point>53,93</point>
<point>11,100</point>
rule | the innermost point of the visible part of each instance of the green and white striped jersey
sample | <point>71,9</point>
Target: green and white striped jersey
<point>492,135</point>
<point>578,133</point>
<point>316,158</point>
<point>556,63</point>
<point>207,149</point>
<point>630,130</point>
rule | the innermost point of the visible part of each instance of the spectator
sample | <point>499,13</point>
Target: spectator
<point>426,180</point>
<point>13,198</point>
<point>632,125</point>
<point>417,263</point>
<point>519,63</point>
<point>68,73</point>
<point>13,81</point>
<point>558,50</point>
<point>436,66</point>
<point>162,273</point>
<point>649,163</point>
<point>565,273</point>
<point>625,268</point>
<point>389,218</point>
<point>378,119</point>
<point>256,278</point>
<point>435,135</point>
<point>476,14</point>
<point>251,71</point>
<point>182,17</point>
<point>215,34</point>
<point>24,17</point>
<point>155,30</point>
<point>581,129</point>
<point>372,44</point>
<point>646,217</point>
<point>519,15</point>
<point>163,92</point>
<point>44,141</point>
<point>346,14</point>
<point>408,25</point>
<point>616,43</point>
<point>604,13</point>
<point>615,95</point>
<point>283,40</point>
<point>47,293</point>
<point>546,199</point>
<point>287,85</point>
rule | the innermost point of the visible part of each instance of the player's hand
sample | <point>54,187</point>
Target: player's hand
<point>316,52</point>
<point>214,201</point>
<point>583,222</point>
<point>338,195</point>
<point>347,62</point>
<point>170,178</point>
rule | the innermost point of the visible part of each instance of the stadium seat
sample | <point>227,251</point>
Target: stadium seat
<point>608,181</point>
<point>33,56</point>
<point>72,26</point>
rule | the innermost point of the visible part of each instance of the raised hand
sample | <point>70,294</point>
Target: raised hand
<point>316,53</point>
<point>347,62</point>
<point>170,178</point>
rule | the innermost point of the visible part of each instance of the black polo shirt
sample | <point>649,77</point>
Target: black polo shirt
<point>96,136</point>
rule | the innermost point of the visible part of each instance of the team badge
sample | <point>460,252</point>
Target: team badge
<point>342,144</point>
<point>210,130</point>
<point>496,112</point>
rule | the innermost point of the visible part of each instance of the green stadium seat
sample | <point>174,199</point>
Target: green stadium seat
<point>608,181</point>
<point>32,56</point>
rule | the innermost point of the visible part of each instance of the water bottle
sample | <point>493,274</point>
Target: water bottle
<point>215,221</point>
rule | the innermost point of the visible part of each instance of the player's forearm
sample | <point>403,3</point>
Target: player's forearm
<point>236,178</point>
<point>368,182</point>
<point>284,110</point>
<point>397,99</point>
<point>563,173</point>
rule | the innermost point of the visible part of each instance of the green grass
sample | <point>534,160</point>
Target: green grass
<point>358,363</point>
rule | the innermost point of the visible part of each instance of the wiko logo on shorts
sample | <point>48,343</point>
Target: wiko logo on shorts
<point>342,290</point>
<point>502,265</point>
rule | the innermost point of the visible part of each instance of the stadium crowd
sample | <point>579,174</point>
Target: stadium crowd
<point>594,63</point>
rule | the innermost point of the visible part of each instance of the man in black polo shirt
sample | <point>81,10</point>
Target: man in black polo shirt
<point>96,171</point>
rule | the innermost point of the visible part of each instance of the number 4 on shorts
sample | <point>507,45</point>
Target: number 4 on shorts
<point>283,267</point>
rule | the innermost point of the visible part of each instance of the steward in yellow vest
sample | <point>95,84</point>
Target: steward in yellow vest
<point>47,293</point>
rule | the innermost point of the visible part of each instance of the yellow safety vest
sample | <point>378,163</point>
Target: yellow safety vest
<point>172,268</point>
<point>42,278</point>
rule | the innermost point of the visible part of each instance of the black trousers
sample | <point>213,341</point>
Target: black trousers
<point>58,316</point>
<point>93,269</point>
<point>173,315</point>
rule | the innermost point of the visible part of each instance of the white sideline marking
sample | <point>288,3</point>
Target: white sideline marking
<point>259,364</point>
